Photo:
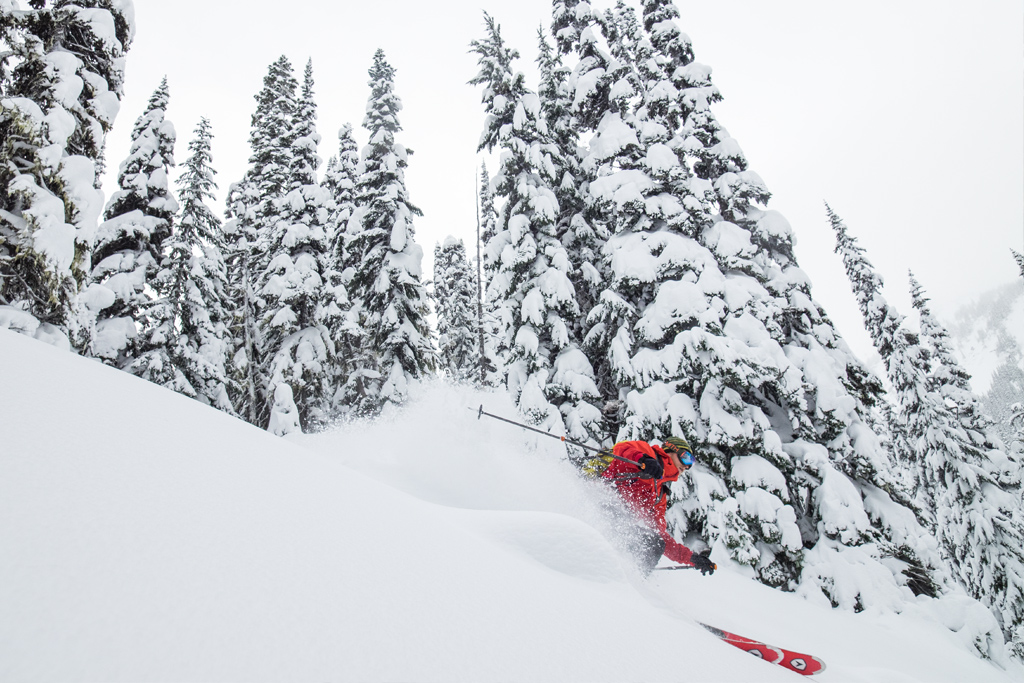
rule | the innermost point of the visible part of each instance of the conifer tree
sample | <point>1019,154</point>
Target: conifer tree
<point>688,356</point>
<point>600,98</point>
<point>53,131</point>
<point>497,239</point>
<point>900,350</point>
<point>974,518</point>
<point>1019,258</point>
<point>386,284</point>
<point>295,311</point>
<point>253,207</point>
<point>576,29</point>
<point>550,378</point>
<point>348,337</point>
<point>242,334</point>
<point>304,137</point>
<point>495,373</point>
<point>1016,423</point>
<point>488,217</point>
<point>643,191</point>
<point>949,378</point>
<point>455,301</point>
<point>340,181</point>
<point>129,248</point>
<point>716,157</point>
<point>704,325</point>
<point>580,239</point>
<point>192,283</point>
<point>1006,391</point>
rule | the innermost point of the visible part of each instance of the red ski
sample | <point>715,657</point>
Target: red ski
<point>808,665</point>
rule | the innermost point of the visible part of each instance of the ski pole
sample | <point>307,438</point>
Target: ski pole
<point>682,566</point>
<point>600,451</point>
<point>534,429</point>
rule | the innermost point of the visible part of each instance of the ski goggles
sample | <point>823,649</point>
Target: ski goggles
<point>686,458</point>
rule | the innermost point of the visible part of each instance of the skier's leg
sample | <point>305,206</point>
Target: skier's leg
<point>647,549</point>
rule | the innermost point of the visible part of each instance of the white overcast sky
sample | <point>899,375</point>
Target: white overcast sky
<point>907,116</point>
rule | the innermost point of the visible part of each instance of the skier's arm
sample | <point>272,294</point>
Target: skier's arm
<point>674,550</point>
<point>677,552</point>
<point>634,459</point>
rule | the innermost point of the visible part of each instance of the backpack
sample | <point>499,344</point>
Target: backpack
<point>595,465</point>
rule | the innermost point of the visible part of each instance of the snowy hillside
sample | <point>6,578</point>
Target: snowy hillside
<point>147,537</point>
<point>989,332</point>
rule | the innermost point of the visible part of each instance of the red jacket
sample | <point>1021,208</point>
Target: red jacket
<point>644,497</point>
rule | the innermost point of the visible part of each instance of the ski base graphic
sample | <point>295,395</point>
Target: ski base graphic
<point>807,665</point>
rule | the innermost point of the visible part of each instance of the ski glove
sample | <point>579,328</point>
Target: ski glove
<point>703,563</point>
<point>651,468</point>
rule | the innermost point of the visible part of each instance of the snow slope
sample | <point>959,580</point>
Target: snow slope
<point>144,536</point>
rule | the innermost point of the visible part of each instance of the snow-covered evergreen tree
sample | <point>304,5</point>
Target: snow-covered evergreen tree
<point>487,266</point>
<point>715,155</point>
<point>129,248</point>
<point>1016,424</point>
<point>253,207</point>
<point>549,376</point>
<point>488,218</point>
<point>348,337</point>
<point>1005,392</point>
<point>975,518</point>
<point>456,307</point>
<point>63,76</point>
<point>997,577</point>
<point>649,200</point>
<point>600,95</point>
<point>295,307</point>
<point>192,283</point>
<point>898,347</point>
<point>576,29</point>
<point>386,284</point>
<point>581,240</point>
<point>243,335</point>
<point>340,181</point>
<point>949,378</point>
<point>1019,258</point>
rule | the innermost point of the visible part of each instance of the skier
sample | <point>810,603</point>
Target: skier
<point>644,488</point>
